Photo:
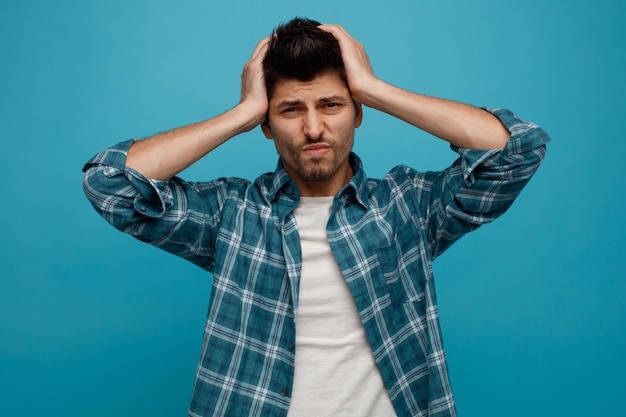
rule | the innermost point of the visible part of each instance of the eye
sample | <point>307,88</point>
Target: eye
<point>332,107</point>
<point>290,112</point>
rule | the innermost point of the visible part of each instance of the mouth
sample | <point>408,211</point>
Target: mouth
<point>316,150</point>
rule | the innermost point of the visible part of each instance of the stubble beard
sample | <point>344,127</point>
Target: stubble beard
<point>317,169</point>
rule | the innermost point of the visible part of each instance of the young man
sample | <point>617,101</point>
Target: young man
<point>323,298</point>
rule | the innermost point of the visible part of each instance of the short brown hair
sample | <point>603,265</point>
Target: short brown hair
<point>300,50</point>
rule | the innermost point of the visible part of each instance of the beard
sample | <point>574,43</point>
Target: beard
<point>317,169</point>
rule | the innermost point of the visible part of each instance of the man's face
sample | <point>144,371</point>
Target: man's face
<point>312,124</point>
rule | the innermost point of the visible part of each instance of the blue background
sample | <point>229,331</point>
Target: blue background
<point>533,307</point>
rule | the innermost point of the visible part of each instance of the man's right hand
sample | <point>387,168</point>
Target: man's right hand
<point>359,71</point>
<point>253,92</point>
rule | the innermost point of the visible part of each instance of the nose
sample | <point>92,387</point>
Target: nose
<point>313,125</point>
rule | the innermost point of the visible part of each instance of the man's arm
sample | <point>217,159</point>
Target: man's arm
<point>459,124</point>
<point>164,155</point>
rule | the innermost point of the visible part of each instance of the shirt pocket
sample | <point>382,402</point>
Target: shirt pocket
<point>404,266</point>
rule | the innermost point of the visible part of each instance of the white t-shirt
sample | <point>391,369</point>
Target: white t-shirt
<point>335,372</point>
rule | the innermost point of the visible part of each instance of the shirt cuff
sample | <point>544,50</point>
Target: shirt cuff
<point>525,137</point>
<point>114,157</point>
<point>152,197</point>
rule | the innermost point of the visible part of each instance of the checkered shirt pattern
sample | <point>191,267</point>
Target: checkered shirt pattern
<point>384,233</point>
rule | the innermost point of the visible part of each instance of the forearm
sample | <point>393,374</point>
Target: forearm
<point>460,124</point>
<point>166,154</point>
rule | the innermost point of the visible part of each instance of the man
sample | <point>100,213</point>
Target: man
<point>323,298</point>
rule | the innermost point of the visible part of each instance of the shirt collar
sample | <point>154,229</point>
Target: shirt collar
<point>281,183</point>
<point>357,186</point>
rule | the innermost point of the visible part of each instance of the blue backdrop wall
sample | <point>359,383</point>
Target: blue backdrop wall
<point>94,323</point>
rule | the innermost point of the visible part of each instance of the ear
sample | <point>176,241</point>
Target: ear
<point>358,114</point>
<point>267,130</point>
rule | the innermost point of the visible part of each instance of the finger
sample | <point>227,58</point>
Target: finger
<point>330,27</point>
<point>336,30</point>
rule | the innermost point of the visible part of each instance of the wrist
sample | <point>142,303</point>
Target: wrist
<point>372,93</point>
<point>248,115</point>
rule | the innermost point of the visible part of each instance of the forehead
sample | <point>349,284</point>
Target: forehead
<point>325,85</point>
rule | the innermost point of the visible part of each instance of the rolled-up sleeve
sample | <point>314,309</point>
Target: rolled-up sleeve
<point>482,184</point>
<point>174,215</point>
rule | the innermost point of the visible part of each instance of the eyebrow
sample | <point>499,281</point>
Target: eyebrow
<point>288,103</point>
<point>333,99</point>
<point>330,99</point>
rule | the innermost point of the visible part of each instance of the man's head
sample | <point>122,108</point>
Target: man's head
<point>311,114</point>
<point>299,50</point>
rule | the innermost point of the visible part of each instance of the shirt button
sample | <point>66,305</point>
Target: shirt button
<point>283,392</point>
<point>290,347</point>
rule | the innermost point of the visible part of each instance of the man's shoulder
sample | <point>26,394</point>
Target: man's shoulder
<point>399,176</point>
<point>236,185</point>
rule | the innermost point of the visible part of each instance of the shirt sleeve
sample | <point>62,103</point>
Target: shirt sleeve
<point>175,215</point>
<point>482,184</point>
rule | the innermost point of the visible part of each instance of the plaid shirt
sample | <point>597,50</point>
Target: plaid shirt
<point>384,234</point>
